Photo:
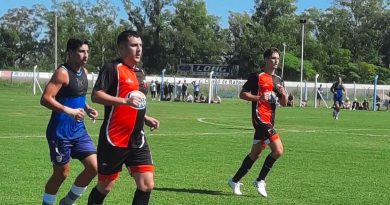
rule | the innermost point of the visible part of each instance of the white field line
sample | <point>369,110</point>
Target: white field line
<point>203,120</point>
<point>20,137</point>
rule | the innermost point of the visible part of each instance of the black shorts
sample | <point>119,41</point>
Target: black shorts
<point>265,133</point>
<point>111,159</point>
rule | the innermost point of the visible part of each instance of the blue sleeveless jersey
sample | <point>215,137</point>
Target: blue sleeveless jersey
<point>61,126</point>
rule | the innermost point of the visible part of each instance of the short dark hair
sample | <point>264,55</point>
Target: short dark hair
<point>125,35</point>
<point>75,43</point>
<point>268,53</point>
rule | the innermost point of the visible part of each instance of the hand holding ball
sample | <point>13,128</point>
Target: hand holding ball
<point>138,100</point>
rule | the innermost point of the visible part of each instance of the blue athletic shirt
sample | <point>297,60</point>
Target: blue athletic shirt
<point>61,126</point>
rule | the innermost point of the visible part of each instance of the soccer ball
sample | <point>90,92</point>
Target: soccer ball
<point>139,94</point>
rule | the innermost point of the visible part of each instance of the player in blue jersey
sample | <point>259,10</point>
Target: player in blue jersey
<point>337,89</point>
<point>65,95</point>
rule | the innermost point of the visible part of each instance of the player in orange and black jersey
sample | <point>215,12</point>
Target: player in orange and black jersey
<point>122,138</point>
<point>263,90</point>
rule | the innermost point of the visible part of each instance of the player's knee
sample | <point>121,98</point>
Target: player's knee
<point>92,170</point>
<point>61,174</point>
<point>277,152</point>
<point>147,187</point>
<point>104,188</point>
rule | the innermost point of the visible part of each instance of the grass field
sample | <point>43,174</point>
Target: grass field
<point>199,146</point>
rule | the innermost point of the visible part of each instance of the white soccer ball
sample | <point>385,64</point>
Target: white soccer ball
<point>137,93</point>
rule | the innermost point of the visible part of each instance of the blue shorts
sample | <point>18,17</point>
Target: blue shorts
<point>62,150</point>
<point>338,99</point>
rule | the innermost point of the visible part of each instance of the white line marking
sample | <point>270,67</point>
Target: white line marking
<point>21,137</point>
<point>202,120</point>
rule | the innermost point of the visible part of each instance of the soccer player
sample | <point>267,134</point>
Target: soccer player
<point>66,134</point>
<point>122,138</point>
<point>262,89</point>
<point>337,89</point>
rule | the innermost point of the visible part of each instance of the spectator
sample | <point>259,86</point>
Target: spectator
<point>290,100</point>
<point>196,89</point>
<point>158,88</point>
<point>347,103</point>
<point>365,105</point>
<point>166,91</point>
<point>378,102</point>
<point>184,91</point>
<point>170,90</point>
<point>355,104</point>
<point>153,90</point>
<point>189,98</point>
<point>320,92</point>
<point>178,89</point>
<point>202,99</point>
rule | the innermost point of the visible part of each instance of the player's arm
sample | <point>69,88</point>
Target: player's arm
<point>108,77</point>
<point>60,78</point>
<point>333,88</point>
<point>247,95</point>
<point>282,95</point>
<point>249,88</point>
<point>101,97</point>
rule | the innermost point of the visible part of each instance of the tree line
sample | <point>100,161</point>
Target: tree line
<point>350,39</point>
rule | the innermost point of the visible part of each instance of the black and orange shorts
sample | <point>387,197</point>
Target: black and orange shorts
<point>264,134</point>
<point>111,159</point>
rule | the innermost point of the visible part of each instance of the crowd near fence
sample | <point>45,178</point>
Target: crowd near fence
<point>224,88</point>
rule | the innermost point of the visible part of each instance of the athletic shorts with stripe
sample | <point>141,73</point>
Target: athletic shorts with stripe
<point>111,159</point>
<point>264,134</point>
<point>61,151</point>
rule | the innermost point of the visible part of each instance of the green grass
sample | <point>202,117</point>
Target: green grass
<point>325,161</point>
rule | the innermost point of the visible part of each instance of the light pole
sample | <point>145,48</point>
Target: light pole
<point>302,21</point>
<point>284,53</point>
<point>55,39</point>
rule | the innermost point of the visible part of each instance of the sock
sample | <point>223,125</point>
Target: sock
<point>74,193</point>
<point>95,197</point>
<point>48,199</point>
<point>245,167</point>
<point>268,163</point>
<point>141,198</point>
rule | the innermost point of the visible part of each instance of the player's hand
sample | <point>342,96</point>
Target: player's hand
<point>134,101</point>
<point>77,114</point>
<point>263,97</point>
<point>152,123</point>
<point>92,113</point>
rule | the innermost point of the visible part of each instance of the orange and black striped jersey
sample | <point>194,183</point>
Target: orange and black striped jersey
<point>122,125</point>
<point>263,84</point>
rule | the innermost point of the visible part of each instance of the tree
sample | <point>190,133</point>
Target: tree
<point>104,31</point>
<point>22,27</point>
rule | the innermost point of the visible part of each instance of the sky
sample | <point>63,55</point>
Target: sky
<point>219,8</point>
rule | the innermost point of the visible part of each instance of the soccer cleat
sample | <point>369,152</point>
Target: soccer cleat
<point>235,187</point>
<point>260,186</point>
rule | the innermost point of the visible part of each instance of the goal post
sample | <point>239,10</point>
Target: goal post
<point>35,80</point>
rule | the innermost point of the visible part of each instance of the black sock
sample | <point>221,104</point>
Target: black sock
<point>141,198</point>
<point>95,197</point>
<point>245,167</point>
<point>268,163</point>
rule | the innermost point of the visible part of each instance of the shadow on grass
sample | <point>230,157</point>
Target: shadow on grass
<point>194,191</point>
<point>191,191</point>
